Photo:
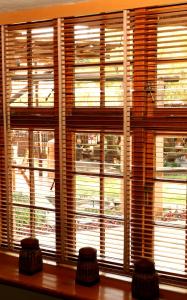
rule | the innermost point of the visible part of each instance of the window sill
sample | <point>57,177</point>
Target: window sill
<point>60,282</point>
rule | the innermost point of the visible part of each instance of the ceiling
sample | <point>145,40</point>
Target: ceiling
<point>7,6</point>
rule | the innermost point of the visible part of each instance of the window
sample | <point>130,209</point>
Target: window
<point>158,125</point>
<point>33,207</point>
<point>93,138</point>
<point>171,67</point>
<point>99,194</point>
<point>170,202</point>
<point>98,64</point>
<point>28,190</point>
<point>31,65</point>
<point>65,172</point>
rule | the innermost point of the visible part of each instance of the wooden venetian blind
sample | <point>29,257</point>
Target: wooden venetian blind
<point>157,75</point>
<point>30,61</point>
<point>94,171</point>
<point>3,148</point>
<point>94,60</point>
<point>30,132</point>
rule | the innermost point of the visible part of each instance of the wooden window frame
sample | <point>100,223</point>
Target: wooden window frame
<point>33,118</point>
<point>99,119</point>
<point>146,120</point>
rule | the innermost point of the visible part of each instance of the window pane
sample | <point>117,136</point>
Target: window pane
<point>33,189</point>
<point>114,42</point>
<point>43,88</point>
<point>170,196</point>
<point>20,146</point>
<point>87,93</point>
<point>86,38</point>
<point>87,152</point>
<point>99,198</point>
<point>171,68</point>
<point>21,223</point>
<point>113,154</point>
<point>114,85</point>
<point>172,42</point>
<point>17,48</point>
<point>171,84</point>
<point>19,88</point>
<point>113,192</point>
<point>169,247</point>
<point>30,65</point>
<point>87,211</point>
<point>87,194</point>
<point>171,157</point>
<point>42,46</point>
<point>87,86</point>
<point>90,222</point>
<point>99,63</point>
<point>170,203</point>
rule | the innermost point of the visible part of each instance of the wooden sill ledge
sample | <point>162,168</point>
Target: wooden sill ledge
<point>60,282</point>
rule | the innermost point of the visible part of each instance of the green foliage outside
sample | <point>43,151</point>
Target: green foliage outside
<point>22,214</point>
<point>171,164</point>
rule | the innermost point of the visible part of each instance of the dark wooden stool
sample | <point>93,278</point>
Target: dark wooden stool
<point>145,283</point>
<point>87,267</point>
<point>30,256</point>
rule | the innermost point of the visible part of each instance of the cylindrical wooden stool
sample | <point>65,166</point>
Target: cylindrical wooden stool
<point>30,257</point>
<point>87,267</point>
<point>145,284</point>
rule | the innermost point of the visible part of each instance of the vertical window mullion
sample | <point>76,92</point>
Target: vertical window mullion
<point>138,137</point>
<point>149,195</point>
<point>127,143</point>
<point>186,241</point>
<point>102,197</point>
<point>102,64</point>
<point>68,139</point>
<point>137,198</point>
<point>31,182</point>
<point>144,74</point>
<point>29,64</point>
<point>7,234</point>
<point>69,64</point>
